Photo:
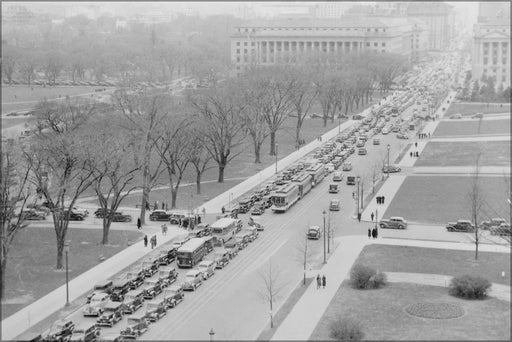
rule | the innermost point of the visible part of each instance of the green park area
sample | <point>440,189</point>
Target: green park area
<point>475,127</point>
<point>32,275</point>
<point>387,313</point>
<point>492,153</point>
<point>24,98</point>
<point>439,199</point>
<point>467,108</point>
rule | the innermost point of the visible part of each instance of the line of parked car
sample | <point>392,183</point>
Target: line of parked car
<point>496,226</point>
<point>149,287</point>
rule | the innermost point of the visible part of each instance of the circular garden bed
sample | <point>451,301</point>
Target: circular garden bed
<point>435,310</point>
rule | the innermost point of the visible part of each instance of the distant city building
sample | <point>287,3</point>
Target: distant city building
<point>277,41</point>
<point>329,9</point>
<point>440,19</point>
<point>491,42</point>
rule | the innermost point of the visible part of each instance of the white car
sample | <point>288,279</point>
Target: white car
<point>97,305</point>
<point>329,167</point>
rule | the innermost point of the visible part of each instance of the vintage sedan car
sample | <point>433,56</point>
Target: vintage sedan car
<point>120,217</point>
<point>150,266</point>
<point>136,326</point>
<point>394,222</point>
<point>242,239</point>
<point>101,213</point>
<point>257,211</point>
<point>32,215</point>
<point>86,332</point>
<point>97,305</point>
<point>60,331</point>
<point>362,151</point>
<point>477,116</point>
<point>346,167</point>
<point>456,116</point>
<point>176,217</point>
<point>173,296</point>
<point>202,229</point>
<point>120,288</point>
<point>460,226</point>
<point>402,136</point>
<point>193,279</point>
<point>391,169</point>
<point>155,309</point>
<point>494,222</point>
<point>221,258</point>
<point>105,286</point>
<point>151,288</point>
<point>502,230</point>
<point>81,211</point>
<point>136,277</point>
<point>207,267</point>
<point>167,276</point>
<point>133,300</point>
<point>167,255</point>
<point>159,215</point>
<point>113,313</point>
<point>72,216</point>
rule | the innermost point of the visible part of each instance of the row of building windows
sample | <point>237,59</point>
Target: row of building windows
<point>253,30</point>
<point>495,60</point>
<point>332,44</point>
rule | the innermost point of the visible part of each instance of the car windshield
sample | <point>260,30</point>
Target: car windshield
<point>96,299</point>
<point>133,320</point>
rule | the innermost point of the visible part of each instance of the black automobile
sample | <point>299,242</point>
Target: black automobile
<point>101,213</point>
<point>159,215</point>
<point>60,331</point>
<point>120,217</point>
<point>120,287</point>
<point>32,215</point>
<point>72,216</point>
<point>88,332</point>
<point>173,295</point>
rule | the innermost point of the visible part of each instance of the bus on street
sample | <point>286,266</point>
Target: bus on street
<point>317,173</point>
<point>191,253</point>
<point>223,230</point>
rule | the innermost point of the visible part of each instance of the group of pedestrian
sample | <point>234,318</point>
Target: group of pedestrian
<point>319,138</point>
<point>414,154</point>
<point>321,281</point>
<point>372,232</point>
<point>424,135</point>
<point>380,200</point>
<point>152,241</point>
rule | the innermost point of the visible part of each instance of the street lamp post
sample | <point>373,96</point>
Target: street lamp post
<point>339,123</point>
<point>211,333</point>
<point>325,260</point>
<point>388,160</point>
<point>66,250</point>
<point>276,145</point>
<point>358,179</point>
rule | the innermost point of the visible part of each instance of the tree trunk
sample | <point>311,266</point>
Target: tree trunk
<point>4,268</point>
<point>106,229</point>
<point>145,194</point>
<point>60,250</point>
<point>221,173</point>
<point>272,143</point>
<point>174,195</point>
<point>325,120</point>
<point>297,130</point>
<point>198,183</point>
<point>257,148</point>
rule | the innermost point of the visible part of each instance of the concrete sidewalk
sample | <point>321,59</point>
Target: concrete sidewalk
<point>305,315</point>
<point>388,190</point>
<point>32,314</point>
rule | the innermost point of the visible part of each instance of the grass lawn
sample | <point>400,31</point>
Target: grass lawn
<point>442,199</point>
<point>31,275</point>
<point>493,153</point>
<point>484,127</point>
<point>383,316</point>
<point>436,261</point>
<point>468,108</point>
<point>13,121</point>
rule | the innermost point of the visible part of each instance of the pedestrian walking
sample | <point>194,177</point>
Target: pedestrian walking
<point>163,229</point>
<point>416,144</point>
<point>369,233</point>
<point>372,216</point>
<point>163,205</point>
<point>147,206</point>
<point>373,233</point>
<point>417,154</point>
<point>154,239</point>
<point>223,210</point>
<point>324,281</point>
<point>377,199</point>
<point>139,223</point>
<point>318,281</point>
<point>383,199</point>
<point>145,240</point>
<point>359,217</point>
<point>353,194</point>
<point>156,206</point>
<point>410,154</point>
<point>376,232</point>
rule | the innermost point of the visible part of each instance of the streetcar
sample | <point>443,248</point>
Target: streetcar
<point>285,197</point>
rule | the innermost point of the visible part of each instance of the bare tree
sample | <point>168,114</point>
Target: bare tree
<point>61,168</point>
<point>272,288</point>
<point>218,112</point>
<point>475,200</point>
<point>14,193</point>
<point>303,253</point>
<point>200,158</point>
<point>114,174</point>
<point>173,146</point>
<point>143,113</point>
<point>303,97</point>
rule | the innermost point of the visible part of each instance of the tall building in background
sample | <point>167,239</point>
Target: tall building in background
<point>491,42</point>
<point>329,9</point>
<point>440,19</point>
<point>283,40</point>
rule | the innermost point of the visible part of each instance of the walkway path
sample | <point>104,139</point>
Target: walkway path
<point>304,317</point>
<point>388,190</point>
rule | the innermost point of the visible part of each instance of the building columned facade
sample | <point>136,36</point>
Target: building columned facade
<point>491,43</point>
<point>440,19</point>
<point>272,42</point>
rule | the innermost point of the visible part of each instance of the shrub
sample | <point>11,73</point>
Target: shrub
<point>346,329</point>
<point>364,277</point>
<point>469,287</point>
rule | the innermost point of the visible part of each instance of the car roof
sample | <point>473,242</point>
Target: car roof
<point>315,227</point>
<point>396,218</point>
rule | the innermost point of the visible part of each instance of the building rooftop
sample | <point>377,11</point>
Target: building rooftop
<point>347,21</point>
